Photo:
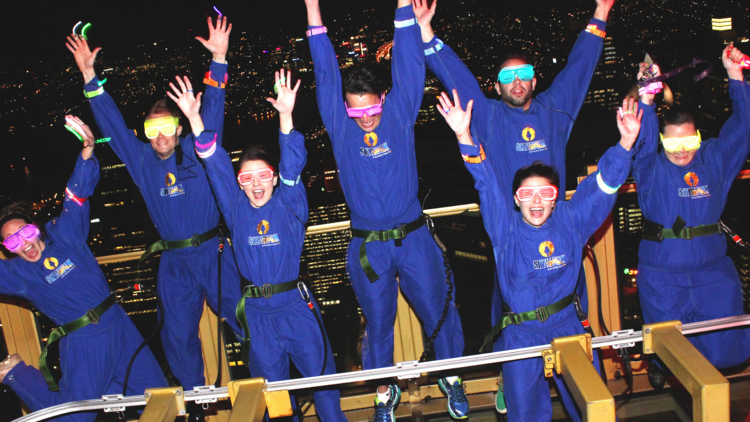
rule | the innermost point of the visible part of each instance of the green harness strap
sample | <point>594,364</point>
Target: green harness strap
<point>656,232</point>
<point>251,291</point>
<point>540,314</point>
<point>166,245</point>
<point>92,317</point>
<point>397,233</point>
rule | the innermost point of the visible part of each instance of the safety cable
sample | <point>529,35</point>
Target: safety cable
<point>429,344</point>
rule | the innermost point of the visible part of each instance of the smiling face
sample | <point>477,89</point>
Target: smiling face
<point>537,211</point>
<point>681,157</point>
<point>259,193</point>
<point>517,93</point>
<point>366,123</point>
<point>164,145</point>
<point>30,250</point>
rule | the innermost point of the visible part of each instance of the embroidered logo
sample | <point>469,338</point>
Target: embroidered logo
<point>264,239</point>
<point>531,145</point>
<point>371,139</point>
<point>171,190</point>
<point>57,272</point>
<point>546,249</point>
<point>694,191</point>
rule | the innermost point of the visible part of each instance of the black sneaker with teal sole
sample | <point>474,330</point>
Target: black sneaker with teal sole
<point>384,410</point>
<point>458,405</point>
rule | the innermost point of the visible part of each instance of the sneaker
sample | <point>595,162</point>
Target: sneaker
<point>384,410</point>
<point>655,375</point>
<point>500,401</point>
<point>458,405</point>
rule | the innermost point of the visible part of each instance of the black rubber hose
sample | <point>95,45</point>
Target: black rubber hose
<point>143,344</point>
<point>219,336</point>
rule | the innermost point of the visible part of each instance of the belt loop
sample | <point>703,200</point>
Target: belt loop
<point>687,233</point>
<point>541,314</point>
<point>195,240</point>
<point>383,235</point>
<point>93,317</point>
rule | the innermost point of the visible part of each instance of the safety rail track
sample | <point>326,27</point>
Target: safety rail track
<point>410,369</point>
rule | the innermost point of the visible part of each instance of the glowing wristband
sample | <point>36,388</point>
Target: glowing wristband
<point>605,187</point>
<point>74,198</point>
<point>209,148</point>
<point>591,28</point>
<point>290,182</point>
<point>435,48</point>
<point>217,11</point>
<point>316,31</point>
<point>84,30</point>
<point>214,83</point>
<point>477,158</point>
<point>652,88</point>
<point>405,24</point>
<point>92,94</point>
<point>100,83</point>
<point>76,27</point>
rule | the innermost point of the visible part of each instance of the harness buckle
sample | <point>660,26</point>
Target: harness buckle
<point>383,235</point>
<point>266,290</point>
<point>93,317</point>
<point>402,231</point>
<point>303,292</point>
<point>515,318</point>
<point>541,314</point>
<point>688,233</point>
<point>195,240</point>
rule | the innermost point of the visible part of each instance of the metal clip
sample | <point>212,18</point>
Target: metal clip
<point>406,365</point>
<point>266,290</point>
<point>195,240</point>
<point>624,344</point>
<point>687,233</point>
<point>541,314</point>
<point>303,292</point>
<point>113,397</point>
<point>205,389</point>
<point>93,317</point>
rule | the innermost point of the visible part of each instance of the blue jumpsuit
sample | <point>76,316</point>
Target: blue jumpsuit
<point>693,280</point>
<point>378,173</point>
<point>268,243</point>
<point>64,284</point>
<point>515,138</point>
<point>181,204</point>
<point>538,266</point>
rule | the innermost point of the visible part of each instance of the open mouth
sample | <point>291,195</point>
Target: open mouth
<point>518,91</point>
<point>258,194</point>
<point>30,251</point>
<point>536,212</point>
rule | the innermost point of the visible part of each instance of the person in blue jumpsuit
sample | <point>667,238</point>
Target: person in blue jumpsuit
<point>538,250</point>
<point>267,216</point>
<point>684,272</point>
<point>60,276</point>
<point>519,130</point>
<point>375,156</point>
<point>179,200</point>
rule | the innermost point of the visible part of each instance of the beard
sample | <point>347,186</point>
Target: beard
<point>516,101</point>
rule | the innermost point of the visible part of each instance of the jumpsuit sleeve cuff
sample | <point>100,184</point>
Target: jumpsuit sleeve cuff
<point>217,73</point>
<point>473,154</point>
<point>285,139</point>
<point>597,27</point>
<point>92,85</point>
<point>205,144</point>
<point>404,14</point>
<point>433,46</point>
<point>15,376</point>
<point>613,172</point>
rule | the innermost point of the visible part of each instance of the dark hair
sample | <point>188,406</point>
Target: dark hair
<point>162,106</point>
<point>678,114</point>
<point>18,210</point>
<point>365,79</point>
<point>261,152</point>
<point>512,55</point>
<point>536,169</point>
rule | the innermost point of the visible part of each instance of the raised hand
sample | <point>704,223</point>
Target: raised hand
<point>731,58</point>
<point>458,119</point>
<point>629,122</point>
<point>646,97</point>
<point>83,55</point>
<point>286,96</point>
<point>424,13</point>
<point>218,38</point>
<point>84,132</point>
<point>187,102</point>
<point>602,9</point>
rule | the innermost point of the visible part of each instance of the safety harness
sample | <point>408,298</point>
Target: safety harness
<point>92,316</point>
<point>167,245</point>
<point>396,234</point>
<point>656,232</point>
<point>540,314</point>
<point>251,291</point>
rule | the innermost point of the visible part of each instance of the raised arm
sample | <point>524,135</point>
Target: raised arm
<point>645,149</point>
<point>327,73</point>
<point>568,91</point>
<point>408,64</point>
<point>734,138</point>
<point>292,145</point>
<point>450,70</point>
<point>493,205</point>
<point>216,79</point>
<point>72,226</point>
<point>596,195</point>
<point>106,114</point>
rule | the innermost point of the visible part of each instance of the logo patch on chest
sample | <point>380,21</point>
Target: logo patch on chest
<point>532,144</point>
<point>264,239</point>
<point>58,272</point>
<point>547,249</point>
<point>373,149</point>
<point>695,191</point>
<point>171,190</point>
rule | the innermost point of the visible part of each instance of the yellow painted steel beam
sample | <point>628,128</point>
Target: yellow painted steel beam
<point>209,341</point>
<point>709,389</point>
<point>250,400</point>
<point>163,404</point>
<point>571,357</point>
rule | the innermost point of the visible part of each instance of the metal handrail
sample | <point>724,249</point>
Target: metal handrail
<point>403,369</point>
